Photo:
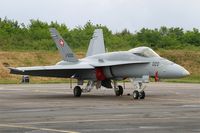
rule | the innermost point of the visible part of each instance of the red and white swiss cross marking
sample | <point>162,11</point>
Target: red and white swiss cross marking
<point>61,42</point>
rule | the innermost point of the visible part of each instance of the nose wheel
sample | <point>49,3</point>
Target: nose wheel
<point>142,95</point>
<point>138,92</point>
<point>135,94</point>
<point>138,95</point>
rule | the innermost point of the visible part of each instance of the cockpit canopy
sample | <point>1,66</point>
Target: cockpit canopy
<point>144,52</point>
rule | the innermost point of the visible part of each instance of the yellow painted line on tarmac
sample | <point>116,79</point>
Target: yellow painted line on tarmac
<point>36,128</point>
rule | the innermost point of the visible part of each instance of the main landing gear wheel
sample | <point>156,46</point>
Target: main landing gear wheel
<point>77,91</point>
<point>135,94</point>
<point>119,90</point>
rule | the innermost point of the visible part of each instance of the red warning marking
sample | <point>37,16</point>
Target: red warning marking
<point>156,76</point>
<point>100,74</point>
<point>61,42</point>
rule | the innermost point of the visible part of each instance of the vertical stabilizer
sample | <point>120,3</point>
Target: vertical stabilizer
<point>62,46</point>
<point>96,45</point>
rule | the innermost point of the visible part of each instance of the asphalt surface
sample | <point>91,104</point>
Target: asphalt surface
<point>51,108</point>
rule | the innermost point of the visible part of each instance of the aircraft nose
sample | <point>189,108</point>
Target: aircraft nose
<point>185,72</point>
<point>179,71</point>
<point>175,71</point>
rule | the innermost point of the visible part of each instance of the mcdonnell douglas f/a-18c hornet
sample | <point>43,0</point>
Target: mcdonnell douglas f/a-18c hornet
<point>101,68</point>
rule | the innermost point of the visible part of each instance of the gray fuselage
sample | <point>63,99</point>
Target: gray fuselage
<point>164,67</point>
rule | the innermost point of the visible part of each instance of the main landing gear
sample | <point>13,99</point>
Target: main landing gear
<point>78,90</point>
<point>118,89</point>
<point>138,92</point>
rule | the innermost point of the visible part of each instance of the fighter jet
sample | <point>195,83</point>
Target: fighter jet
<point>100,68</point>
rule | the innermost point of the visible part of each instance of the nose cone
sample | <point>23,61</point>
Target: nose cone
<point>185,72</point>
<point>174,71</point>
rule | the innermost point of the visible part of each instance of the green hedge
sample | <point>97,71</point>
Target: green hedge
<point>36,36</point>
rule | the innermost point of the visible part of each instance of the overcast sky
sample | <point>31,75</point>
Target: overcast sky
<point>115,14</point>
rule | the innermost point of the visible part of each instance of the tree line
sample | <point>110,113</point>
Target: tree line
<point>36,36</point>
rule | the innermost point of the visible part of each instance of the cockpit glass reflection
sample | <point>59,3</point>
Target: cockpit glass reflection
<point>144,51</point>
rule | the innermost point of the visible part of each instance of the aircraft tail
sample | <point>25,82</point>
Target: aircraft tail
<point>96,45</point>
<point>62,46</point>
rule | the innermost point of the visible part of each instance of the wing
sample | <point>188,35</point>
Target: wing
<point>62,71</point>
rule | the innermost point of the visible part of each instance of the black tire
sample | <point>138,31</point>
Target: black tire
<point>77,91</point>
<point>119,91</point>
<point>135,94</point>
<point>142,95</point>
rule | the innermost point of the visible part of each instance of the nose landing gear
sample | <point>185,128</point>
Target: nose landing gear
<point>138,95</point>
<point>138,92</point>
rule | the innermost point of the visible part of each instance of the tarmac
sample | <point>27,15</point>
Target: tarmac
<point>51,108</point>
